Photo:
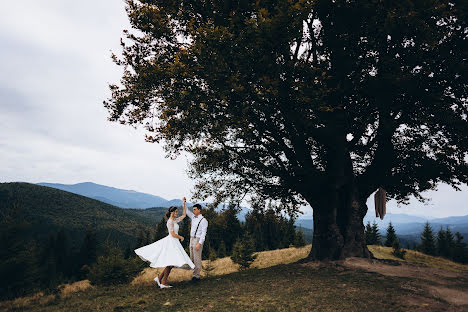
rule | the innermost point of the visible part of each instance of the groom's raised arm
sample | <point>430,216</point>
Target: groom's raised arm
<point>189,213</point>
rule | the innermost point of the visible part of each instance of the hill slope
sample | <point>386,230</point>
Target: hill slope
<point>48,209</point>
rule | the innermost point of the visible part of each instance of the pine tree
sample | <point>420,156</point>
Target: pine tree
<point>112,268</point>
<point>441,243</point>
<point>368,233</point>
<point>140,239</point>
<point>243,250</point>
<point>88,250</point>
<point>460,252</point>
<point>128,253</point>
<point>161,230</point>
<point>299,240</point>
<point>391,235</point>
<point>148,237</point>
<point>397,251</point>
<point>288,232</point>
<point>184,231</point>
<point>376,238</point>
<point>254,224</point>
<point>450,243</point>
<point>271,230</point>
<point>222,249</point>
<point>231,226</point>
<point>427,241</point>
<point>209,267</point>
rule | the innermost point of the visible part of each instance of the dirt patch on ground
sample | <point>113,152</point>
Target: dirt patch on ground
<point>395,268</point>
<point>450,295</point>
<point>439,283</point>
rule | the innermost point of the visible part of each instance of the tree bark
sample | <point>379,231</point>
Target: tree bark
<point>340,211</point>
<point>339,228</point>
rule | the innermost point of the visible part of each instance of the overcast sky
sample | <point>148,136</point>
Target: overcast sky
<point>55,71</point>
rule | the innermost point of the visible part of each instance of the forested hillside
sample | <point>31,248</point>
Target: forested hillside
<point>46,209</point>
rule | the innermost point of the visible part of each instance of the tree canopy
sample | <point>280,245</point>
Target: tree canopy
<point>302,101</point>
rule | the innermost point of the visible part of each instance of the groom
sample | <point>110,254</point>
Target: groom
<point>198,230</point>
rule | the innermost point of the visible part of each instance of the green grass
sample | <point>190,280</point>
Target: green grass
<point>291,287</point>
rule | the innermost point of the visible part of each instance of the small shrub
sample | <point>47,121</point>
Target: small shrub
<point>112,268</point>
<point>397,251</point>
<point>242,252</point>
<point>209,267</point>
<point>299,240</point>
<point>222,250</point>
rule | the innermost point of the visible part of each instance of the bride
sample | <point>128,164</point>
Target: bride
<point>167,252</point>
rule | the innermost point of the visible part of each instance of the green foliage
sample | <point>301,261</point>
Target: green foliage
<point>112,268</point>
<point>88,252</point>
<point>20,269</point>
<point>460,251</point>
<point>289,233</point>
<point>231,227</point>
<point>269,228</point>
<point>222,249</point>
<point>299,240</point>
<point>391,236</point>
<point>161,229</point>
<point>427,245</point>
<point>372,234</point>
<point>445,243</point>
<point>397,250</point>
<point>242,252</point>
<point>89,248</point>
<point>184,231</point>
<point>209,267</point>
<point>224,227</point>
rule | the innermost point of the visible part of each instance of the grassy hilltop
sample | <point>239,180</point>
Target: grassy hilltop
<point>278,283</point>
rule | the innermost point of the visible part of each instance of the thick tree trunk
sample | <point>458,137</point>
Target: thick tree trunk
<point>340,210</point>
<point>339,229</point>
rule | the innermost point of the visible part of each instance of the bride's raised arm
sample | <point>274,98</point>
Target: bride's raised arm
<point>184,210</point>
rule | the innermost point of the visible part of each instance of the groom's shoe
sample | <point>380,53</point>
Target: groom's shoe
<point>195,279</point>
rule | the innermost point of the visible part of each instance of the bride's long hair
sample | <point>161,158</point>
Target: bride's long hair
<point>169,211</point>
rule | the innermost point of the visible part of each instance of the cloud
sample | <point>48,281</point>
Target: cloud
<point>55,75</point>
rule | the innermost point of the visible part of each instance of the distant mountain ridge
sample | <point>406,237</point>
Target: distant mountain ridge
<point>114,196</point>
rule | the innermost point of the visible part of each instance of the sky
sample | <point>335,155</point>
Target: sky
<point>55,58</point>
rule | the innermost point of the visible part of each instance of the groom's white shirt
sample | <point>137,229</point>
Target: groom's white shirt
<point>201,233</point>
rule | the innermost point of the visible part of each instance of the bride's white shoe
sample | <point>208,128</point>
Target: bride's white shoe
<point>156,279</point>
<point>164,286</point>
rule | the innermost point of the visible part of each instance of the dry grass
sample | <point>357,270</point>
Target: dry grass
<point>412,256</point>
<point>225,266</point>
<point>21,303</point>
<point>68,289</point>
<point>270,258</point>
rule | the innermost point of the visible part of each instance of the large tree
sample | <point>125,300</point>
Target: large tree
<point>317,102</point>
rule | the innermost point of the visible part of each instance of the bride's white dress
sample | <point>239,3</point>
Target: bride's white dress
<point>166,251</point>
